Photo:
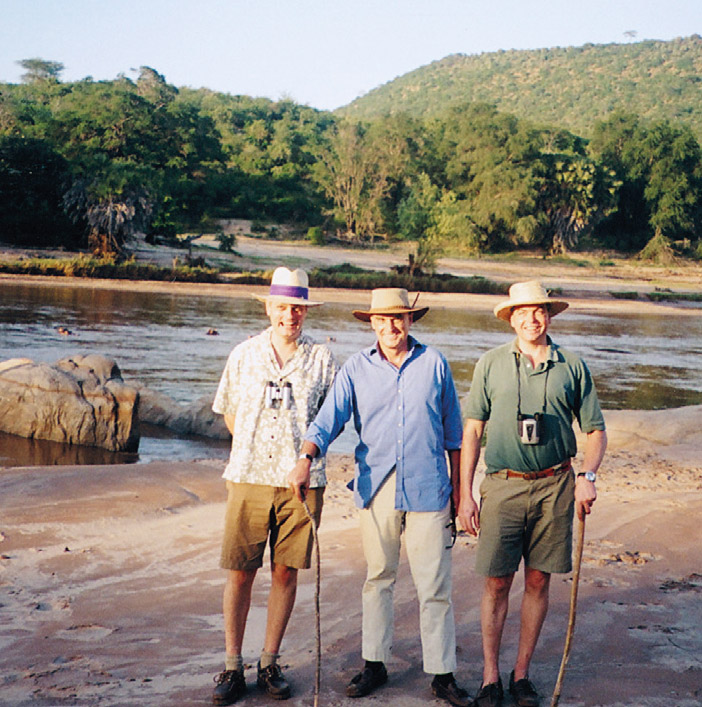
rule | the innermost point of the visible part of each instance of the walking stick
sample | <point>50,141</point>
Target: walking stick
<point>318,672</point>
<point>571,614</point>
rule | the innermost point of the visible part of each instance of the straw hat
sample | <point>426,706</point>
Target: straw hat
<point>289,287</point>
<point>390,300</point>
<point>523,294</point>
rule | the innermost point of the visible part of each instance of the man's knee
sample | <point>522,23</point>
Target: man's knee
<point>498,587</point>
<point>240,579</point>
<point>536,582</point>
<point>283,576</point>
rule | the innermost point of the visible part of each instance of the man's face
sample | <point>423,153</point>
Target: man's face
<point>531,323</point>
<point>286,319</point>
<point>392,330</point>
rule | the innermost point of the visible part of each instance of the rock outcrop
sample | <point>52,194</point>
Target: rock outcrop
<point>194,419</point>
<point>78,400</point>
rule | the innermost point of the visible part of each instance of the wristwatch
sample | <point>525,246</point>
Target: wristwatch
<point>306,456</point>
<point>589,475</point>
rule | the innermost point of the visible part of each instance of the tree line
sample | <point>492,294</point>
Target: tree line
<point>89,163</point>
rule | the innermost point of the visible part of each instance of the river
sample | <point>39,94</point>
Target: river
<point>642,361</point>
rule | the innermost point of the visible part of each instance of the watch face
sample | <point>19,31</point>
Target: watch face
<point>590,476</point>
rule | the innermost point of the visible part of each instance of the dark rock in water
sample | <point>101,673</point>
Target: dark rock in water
<point>78,400</point>
<point>196,418</point>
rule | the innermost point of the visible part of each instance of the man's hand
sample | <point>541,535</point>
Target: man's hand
<point>469,515</point>
<point>299,478</point>
<point>585,496</point>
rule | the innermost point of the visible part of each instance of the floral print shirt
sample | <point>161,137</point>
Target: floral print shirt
<point>272,408</point>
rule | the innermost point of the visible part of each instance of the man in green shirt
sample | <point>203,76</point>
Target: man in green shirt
<point>530,390</point>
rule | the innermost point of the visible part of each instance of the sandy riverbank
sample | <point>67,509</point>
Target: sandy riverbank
<point>111,595</point>
<point>585,280</point>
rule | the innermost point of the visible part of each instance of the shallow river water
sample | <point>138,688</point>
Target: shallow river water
<point>639,361</point>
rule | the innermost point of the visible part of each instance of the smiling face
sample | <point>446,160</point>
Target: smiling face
<point>286,320</point>
<point>531,323</point>
<point>392,331</point>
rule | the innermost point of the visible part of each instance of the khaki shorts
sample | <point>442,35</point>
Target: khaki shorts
<point>257,514</point>
<point>529,519</point>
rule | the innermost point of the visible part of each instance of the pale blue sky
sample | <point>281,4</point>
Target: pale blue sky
<point>323,53</point>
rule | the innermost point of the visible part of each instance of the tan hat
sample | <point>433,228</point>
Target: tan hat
<point>524,294</point>
<point>390,300</point>
<point>289,287</point>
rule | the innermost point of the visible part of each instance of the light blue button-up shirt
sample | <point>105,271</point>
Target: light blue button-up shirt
<point>406,420</point>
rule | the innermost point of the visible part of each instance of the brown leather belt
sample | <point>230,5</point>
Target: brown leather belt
<point>543,474</point>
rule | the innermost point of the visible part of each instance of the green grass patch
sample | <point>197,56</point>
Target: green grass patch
<point>90,267</point>
<point>343,276</point>
<point>669,296</point>
<point>351,277</point>
<point>625,295</point>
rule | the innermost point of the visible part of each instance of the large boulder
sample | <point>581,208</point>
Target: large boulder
<point>78,400</point>
<point>196,418</point>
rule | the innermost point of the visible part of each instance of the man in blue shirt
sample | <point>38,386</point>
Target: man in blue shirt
<point>401,396</point>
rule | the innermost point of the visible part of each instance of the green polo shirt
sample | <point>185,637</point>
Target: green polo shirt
<point>570,394</point>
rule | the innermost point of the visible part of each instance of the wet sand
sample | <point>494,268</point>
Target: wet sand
<point>110,592</point>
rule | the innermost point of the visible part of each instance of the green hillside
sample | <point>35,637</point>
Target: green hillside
<point>571,87</point>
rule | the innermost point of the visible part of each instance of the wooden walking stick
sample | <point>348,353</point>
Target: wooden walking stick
<point>317,566</point>
<point>571,614</point>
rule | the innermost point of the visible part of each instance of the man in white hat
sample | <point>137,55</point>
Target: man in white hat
<point>271,389</point>
<point>406,413</point>
<point>530,390</point>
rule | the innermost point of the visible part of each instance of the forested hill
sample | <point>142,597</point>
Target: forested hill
<point>571,87</point>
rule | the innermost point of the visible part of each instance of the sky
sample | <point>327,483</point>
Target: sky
<point>323,53</point>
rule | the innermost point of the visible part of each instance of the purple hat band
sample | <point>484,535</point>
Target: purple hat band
<point>289,291</point>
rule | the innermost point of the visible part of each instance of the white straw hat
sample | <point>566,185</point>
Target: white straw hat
<point>390,300</point>
<point>523,294</point>
<point>289,287</point>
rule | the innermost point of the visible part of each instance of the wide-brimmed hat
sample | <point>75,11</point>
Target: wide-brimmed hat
<point>524,294</point>
<point>390,300</point>
<point>289,287</point>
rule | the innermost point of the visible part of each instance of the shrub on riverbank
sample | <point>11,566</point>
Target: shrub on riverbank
<point>344,276</point>
<point>670,296</point>
<point>350,277</point>
<point>85,266</point>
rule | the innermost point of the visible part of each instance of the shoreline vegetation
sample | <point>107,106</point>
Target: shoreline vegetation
<point>342,276</point>
<point>336,267</point>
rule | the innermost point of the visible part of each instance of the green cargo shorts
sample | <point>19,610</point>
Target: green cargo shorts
<point>529,519</point>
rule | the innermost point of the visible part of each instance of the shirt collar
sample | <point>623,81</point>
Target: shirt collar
<point>303,342</point>
<point>412,344</point>
<point>552,353</point>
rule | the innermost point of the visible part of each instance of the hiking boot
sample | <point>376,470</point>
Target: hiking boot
<point>367,680</point>
<point>448,690</point>
<point>523,692</point>
<point>490,695</point>
<point>229,688</point>
<point>272,681</point>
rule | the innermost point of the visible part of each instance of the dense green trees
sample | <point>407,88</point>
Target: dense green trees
<point>660,169</point>
<point>99,161</point>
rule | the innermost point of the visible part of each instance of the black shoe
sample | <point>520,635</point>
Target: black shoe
<point>523,692</point>
<point>490,695</point>
<point>230,687</point>
<point>367,680</point>
<point>272,681</point>
<point>450,692</point>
